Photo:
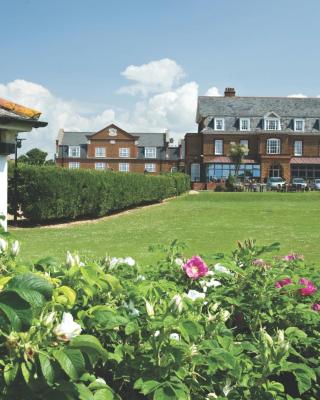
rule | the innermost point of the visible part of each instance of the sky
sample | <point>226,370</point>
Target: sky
<point>141,64</point>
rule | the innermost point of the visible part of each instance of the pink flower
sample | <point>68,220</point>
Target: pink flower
<point>195,267</point>
<point>293,256</point>
<point>309,288</point>
<point>259,262</point>
<point>316,307</point>
<point>283,282</point>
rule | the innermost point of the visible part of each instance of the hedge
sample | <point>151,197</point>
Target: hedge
<point>51,193</point>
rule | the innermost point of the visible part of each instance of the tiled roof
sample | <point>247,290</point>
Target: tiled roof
<point>305,160</point>
<point>17,109</point>
<point>73,138</point>
<point>151,139</point>
<point>257,106</point>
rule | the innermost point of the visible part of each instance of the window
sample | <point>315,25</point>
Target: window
<point>299,125</point>
<point>124,152</point>
<point>245,142</point>
<point>218,147</point>
<point>298,148</point>
<point>216,172</point>
<point>74,165</point>
<point>100,165</point>
<point>271,124</point>
<point>244,124</point>
<point>219,124</point>
<point>195,172</point>
<point>123,167</point>
<point>150,167</point>
<point>74,151</point>
<point>273,146</point>
<point>150,152</point>
<point>100,152</point>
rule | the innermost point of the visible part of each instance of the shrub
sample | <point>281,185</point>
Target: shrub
<point>49,193</point>
<point>240,329</point>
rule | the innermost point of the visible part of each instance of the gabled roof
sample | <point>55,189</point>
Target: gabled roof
<point>257,107</point>
<point>11,113</point>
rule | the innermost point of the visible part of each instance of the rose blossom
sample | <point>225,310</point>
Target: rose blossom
<point>283,282</point>
<point>195,267</point>
<point>67,329</point>
<point>309,288</point>
<point>293,256</point>
<point>316,307</point>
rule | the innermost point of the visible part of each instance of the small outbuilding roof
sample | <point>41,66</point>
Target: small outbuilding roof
<point>12,112</point>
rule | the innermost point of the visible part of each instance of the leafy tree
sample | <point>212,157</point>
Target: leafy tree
<point>237,153</point>
<point>34,157</point>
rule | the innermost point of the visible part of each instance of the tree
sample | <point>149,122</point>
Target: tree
<point>237,153</point>
<point>34,157</point>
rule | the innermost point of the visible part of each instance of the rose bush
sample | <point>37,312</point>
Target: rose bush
<point>214,327</point>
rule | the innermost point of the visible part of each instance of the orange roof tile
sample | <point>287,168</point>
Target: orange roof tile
<point>18,109</point>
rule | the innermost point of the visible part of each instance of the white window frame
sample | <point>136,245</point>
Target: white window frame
<point>219,124</point>
<point>150,167</point>
<point>274,148</point>
<point>245,142</point>
<point>218,147</point>
<point>124,152</point>
<point>298,148</point>
<point>244,120</point>
<point>150,152</point>
<point>269,127</point>
<point>74,151</point>
<point>100,152</point>
<point>296,121</point>
<point>124,167</point>
<point>74,165</point>
<point>100,166</point>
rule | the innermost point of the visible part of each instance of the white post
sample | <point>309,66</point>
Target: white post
<point>3,190</point>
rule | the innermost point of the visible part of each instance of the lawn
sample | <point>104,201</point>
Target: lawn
<point>207,223</point>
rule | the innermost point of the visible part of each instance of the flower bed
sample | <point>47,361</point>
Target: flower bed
<point>239,327</point>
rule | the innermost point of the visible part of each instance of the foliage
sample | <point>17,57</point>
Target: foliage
<point>237,153</point>
<point>49,193</point>
<point>34,157</point>
<point>213,327</point>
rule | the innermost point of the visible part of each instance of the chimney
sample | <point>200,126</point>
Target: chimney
<point>229,92</point>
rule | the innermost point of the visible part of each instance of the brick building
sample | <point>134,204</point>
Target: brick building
<point>282,135</point>
<point>114,148</point>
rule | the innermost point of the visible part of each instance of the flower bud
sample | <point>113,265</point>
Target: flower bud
<point>3,245</point>
<point>70,261</point>
<point>176,303</point>
<point>15,248</point>
<point>149,308</point>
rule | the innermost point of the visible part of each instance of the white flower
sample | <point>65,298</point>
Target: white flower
<point>3,245</point>
<point>113,262</point>
<point>194,295</point>
<point>179,261</point>
<point>157,333</point>
<point>224,315</point>
<point>67,329</point>
<point>149,308</point>
<point>141,278</point>
<point>133,311</point>
<point>221,268</point>
<point>211,396</point>
<point>130,261</point>
<point>213,283</point>
<point>70,261</point>
<point>77,259</point>
<point>174,336</point>
<point>15,248</point>
<point>176,303</point>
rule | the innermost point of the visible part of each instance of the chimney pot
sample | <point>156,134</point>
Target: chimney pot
<point>229,92</point>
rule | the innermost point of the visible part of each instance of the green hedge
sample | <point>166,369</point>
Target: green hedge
<point>49,193</point>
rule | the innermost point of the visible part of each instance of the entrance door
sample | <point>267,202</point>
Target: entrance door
<point>275,171</point>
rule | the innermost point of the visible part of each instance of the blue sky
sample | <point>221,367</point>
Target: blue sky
<point>77,50</point>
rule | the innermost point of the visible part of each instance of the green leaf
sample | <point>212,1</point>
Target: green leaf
<point>113,282</point>
<point>89,344</point>
<point>10,373</point>
<point>108,319</point>
<point>164,393</point>
<point>31,281</point>
<point>149,386</point>
<point>25,372</point>
<point>84,392</point>
<point>303,374</point>
<point>71,361</point>
<point>190,330</point>
<point>12,316</point>
<point>46,368</point>
<point>103,394</point>
<point>11,304</point>
<point>131,327</point>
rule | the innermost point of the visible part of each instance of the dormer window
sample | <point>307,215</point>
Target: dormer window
<point>272,122</point>
<point>244,124</point>
<point>299,125</point>
<point>219,124</point>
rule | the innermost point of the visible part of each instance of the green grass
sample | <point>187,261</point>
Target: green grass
<point>207,223</point>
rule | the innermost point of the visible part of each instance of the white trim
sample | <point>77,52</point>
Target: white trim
<point>150,167</point>
<point>244,120</point>
<point>103,152</point>
<point>100,166</point>
<point>246,144</point>
<point>217,150</point>
<point>152,150</point>
<point>74,165</point>
<point>4,190</point>
<point>295,124</point>
<point>273,149</point>
<point>76,149</point>
<point>216,124</point>
<point>124,167</point>
<point>124,152</point>
<point>298,149</point>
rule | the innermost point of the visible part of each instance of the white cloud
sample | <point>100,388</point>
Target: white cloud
<point>170,107</point>
<point>298,95</point>
<point>154,77</point>
<point>213,91</point>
